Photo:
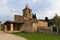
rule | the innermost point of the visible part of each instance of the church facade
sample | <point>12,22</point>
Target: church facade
<point>27,23</point>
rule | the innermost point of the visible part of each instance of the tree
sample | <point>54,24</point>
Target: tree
<point>46,19</point>
<point>34,16</point>
<point>57,21</point>
<point>56,16</point>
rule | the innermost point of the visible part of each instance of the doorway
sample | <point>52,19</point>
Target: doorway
<point>54,29</point>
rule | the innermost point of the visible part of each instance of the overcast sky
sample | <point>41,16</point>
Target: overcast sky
<point>42,8</point>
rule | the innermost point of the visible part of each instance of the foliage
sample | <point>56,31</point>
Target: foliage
<point>57,20</point>
<point>46,19</point>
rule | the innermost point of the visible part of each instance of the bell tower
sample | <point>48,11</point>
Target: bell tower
<point>27,13</point>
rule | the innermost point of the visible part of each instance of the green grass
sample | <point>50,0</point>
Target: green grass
<point>38,36</point>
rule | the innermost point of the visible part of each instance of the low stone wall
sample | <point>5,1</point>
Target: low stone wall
<point>44,30</point>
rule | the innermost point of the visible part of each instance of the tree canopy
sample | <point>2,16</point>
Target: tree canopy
<point>57,20</point>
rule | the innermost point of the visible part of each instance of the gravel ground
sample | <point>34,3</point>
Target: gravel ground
<point>6,36</point>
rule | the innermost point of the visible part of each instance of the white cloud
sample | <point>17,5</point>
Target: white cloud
<point>55,6</point>
<point>36,1</point>
<point>54,9</point>
<point>4,10</point>
<point>3,2</point>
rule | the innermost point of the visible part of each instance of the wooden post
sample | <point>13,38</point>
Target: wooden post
<point>11,27</point>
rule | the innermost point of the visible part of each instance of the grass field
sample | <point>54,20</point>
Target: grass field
<point>38,36</point>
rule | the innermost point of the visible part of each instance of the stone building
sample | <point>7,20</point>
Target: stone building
<point>27,23</point>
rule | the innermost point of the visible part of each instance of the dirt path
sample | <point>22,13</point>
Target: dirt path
<point>6,36</point>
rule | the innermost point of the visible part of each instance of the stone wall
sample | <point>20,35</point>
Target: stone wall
<point>34,27</point>
<point>27,27</point>
<point>44,30</point>
<point>42,24</point>
<point>18,18</point>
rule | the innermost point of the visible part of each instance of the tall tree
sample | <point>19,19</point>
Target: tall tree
<point>46,19</point>
<point>57,21</point>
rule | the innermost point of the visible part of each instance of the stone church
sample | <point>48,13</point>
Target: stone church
<point>27,23</point>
